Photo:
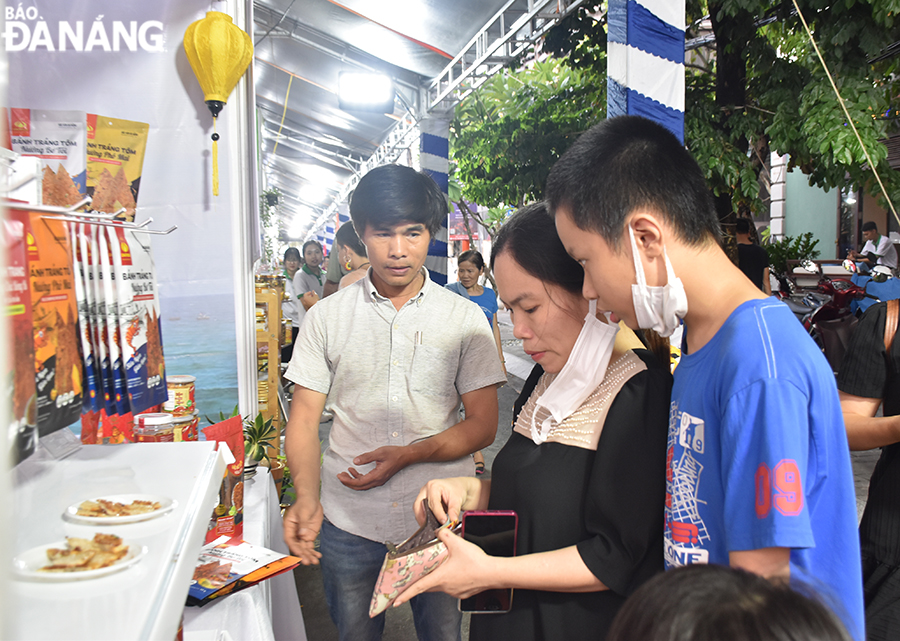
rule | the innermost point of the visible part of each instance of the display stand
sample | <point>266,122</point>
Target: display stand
<point>269,340</point>
<point>145,601</point>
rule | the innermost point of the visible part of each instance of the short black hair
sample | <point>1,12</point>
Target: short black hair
<point>713,602</point>
<point>473,256</point>
<point>529,235</point>
<point>869,225</point>
<point>292,251</point>
<point>628,163</point>
<point>742,226</point>
<point>393,194</point>
<point>346,237</point>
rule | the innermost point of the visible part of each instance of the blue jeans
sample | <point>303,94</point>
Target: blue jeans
<point>350,566</point>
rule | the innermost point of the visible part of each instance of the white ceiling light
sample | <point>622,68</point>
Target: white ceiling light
<point>302,219</point>
<point>313,193</point>
<point>365,92</point>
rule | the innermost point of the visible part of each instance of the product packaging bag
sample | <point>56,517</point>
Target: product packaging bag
<point>115,159</point>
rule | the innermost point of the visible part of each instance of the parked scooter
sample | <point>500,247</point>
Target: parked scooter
<point>831,323</point>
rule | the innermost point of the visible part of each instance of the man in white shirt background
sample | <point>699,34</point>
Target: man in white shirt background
<point>878,250</point>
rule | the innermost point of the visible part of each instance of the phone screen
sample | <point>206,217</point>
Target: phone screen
<point>495,533</point>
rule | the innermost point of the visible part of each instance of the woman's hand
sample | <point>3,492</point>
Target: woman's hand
<point>447,498</point>
<point>466,571</point>
<point>308,300</point>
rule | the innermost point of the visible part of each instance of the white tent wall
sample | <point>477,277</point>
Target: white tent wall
<point>204,268</point>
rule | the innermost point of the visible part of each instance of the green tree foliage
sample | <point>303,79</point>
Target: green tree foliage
<point>755,88</point>
<point>506,136</point>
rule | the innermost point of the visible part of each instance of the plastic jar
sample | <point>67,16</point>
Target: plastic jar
<point>186,427</point>
<point>154,427</point>
<point>181,395</point>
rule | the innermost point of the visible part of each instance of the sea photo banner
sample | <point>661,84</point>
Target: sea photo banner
<point>126,60</point>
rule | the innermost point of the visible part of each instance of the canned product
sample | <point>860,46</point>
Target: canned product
<point>181,395</point>
<point>186,427</point>
<point>154,427</point>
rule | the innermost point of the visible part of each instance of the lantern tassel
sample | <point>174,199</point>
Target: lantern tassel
<point>215,160</point>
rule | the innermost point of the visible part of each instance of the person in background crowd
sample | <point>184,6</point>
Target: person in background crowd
<point>718,603</point>
<point>869,378</point>
<point>759,473</point>
<point>290,304</point>
<point>352,255</point>
<point>391,357</point>
<point>878,250</point>
<point>469,270</point>
<point>584,468</point>
<point>753,260</point>
<point>308,281</point>
<point>334,271</point>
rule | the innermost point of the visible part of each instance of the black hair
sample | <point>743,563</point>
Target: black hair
<point>742,226</point>
<point>308,243</point>
<point>393,194</point>
<point>627,163</point>
<point>346,237</point>
<point>715,602</point>
<point>529,235</point>
<point>869,225</point>
<point>473,256</point>
<point>292,251</point>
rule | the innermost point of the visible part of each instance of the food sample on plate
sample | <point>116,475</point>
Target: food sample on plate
<point>102,508</point>
<point>81,554</point>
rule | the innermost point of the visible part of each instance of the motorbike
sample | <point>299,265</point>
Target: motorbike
<point>826,315</point>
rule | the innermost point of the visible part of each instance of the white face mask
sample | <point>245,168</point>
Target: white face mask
<point>580,376</point>
<point>658,308</point>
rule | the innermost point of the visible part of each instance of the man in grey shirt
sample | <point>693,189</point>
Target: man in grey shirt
<point>390,356</point>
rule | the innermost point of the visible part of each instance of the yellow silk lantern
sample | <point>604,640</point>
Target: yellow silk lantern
<point>219,52</point>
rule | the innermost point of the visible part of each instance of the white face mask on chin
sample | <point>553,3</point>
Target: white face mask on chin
<point>583,372</point>
<point>658,308</point>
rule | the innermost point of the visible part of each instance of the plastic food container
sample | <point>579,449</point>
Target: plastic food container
<point>186,427</point>
<point>181,395</point>
<point>154,427</point>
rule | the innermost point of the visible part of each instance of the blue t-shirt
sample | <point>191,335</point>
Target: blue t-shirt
<point>758,457</point>
<point>487,300</point>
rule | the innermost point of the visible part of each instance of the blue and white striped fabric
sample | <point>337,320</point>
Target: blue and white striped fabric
<point>434,153</point>
<point>645,67</point>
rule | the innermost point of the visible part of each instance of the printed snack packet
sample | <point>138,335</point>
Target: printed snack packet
<point>98,322</point>
<point>228,516</point>
<point>59,139</point>
<point>57,354</point>
<point>113,333</point>
<point>91,400</point>
<point>138,312</point>
<point>115,159</point>
<point>19,369</point>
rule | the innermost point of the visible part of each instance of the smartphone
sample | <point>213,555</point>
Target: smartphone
<point>495,532</point>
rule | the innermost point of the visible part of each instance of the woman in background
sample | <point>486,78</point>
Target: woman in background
<point>289,307</point>
<point>469,270</point>
<point>309,279</point>
<point>351,254</point>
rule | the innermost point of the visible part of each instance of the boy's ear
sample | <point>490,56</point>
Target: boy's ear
<point>648,233</point>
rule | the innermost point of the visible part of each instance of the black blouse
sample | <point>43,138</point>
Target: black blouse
<point>608,502</point>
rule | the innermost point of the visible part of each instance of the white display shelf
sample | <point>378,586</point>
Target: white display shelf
<point>145,601</point>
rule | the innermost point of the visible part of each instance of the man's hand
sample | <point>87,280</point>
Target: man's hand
<point>388,461</point>
<point>302,523</point>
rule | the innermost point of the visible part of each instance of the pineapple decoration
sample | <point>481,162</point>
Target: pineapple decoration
<point>219,52</point>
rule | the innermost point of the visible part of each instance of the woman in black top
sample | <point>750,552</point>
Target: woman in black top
<point>590,497</point>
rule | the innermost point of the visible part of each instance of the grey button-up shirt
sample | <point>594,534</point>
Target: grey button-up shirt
<point>391,378</point>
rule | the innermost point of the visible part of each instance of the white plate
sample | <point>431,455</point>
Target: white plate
<point>166,505</point>
<point>27,564</point>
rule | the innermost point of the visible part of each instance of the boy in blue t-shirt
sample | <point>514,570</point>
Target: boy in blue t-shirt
<point>758,468</point>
